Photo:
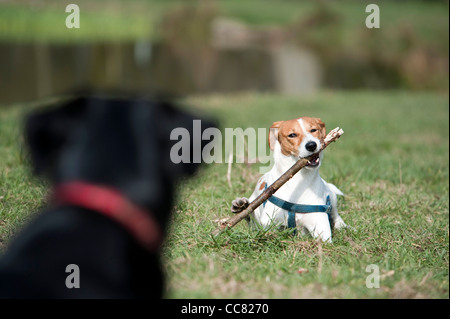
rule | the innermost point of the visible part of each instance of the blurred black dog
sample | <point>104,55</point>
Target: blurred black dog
<point>109,161</point>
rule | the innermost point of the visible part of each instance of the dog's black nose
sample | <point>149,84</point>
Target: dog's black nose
<point>311,146</point>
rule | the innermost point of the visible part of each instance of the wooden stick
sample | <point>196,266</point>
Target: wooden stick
<point>332,136</point>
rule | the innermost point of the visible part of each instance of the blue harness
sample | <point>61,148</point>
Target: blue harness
<point>298,208</point>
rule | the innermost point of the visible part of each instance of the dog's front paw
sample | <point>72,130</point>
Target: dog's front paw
<point>340,224</point>
<point>239,204</point>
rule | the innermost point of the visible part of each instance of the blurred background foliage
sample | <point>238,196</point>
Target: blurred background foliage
<point>409,51</point>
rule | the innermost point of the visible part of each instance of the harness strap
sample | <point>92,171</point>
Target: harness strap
<point>293,208</point>
<point>299,208</point>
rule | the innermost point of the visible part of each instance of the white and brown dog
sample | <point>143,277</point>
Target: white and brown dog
<point>306,202</point>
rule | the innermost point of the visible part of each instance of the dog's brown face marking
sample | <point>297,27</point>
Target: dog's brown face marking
<point>262,186</point>
<point>290,133</point>
<point>315,127</point>
<point>290,136</point>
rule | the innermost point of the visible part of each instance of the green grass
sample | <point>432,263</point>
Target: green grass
<point>392,163</point>
<point>20,194</point>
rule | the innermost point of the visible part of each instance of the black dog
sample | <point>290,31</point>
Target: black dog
<point>109,160</point>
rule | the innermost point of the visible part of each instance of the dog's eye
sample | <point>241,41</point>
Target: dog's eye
<point>292,135</point>
<point>313,130</point>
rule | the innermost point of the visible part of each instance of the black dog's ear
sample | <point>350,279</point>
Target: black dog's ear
<point>46,132</point>
<point>176,118</point>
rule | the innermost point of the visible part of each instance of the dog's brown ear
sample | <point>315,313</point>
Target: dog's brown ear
<point>273,134</point>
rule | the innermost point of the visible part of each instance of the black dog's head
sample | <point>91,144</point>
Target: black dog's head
<point>121,143</point>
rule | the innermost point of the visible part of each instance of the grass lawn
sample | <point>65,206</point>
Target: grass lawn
<point>392,163</point>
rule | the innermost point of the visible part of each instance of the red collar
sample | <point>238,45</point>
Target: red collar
<point>109,202</point>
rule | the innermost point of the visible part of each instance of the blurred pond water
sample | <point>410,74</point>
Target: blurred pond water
<point>30,71</point>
